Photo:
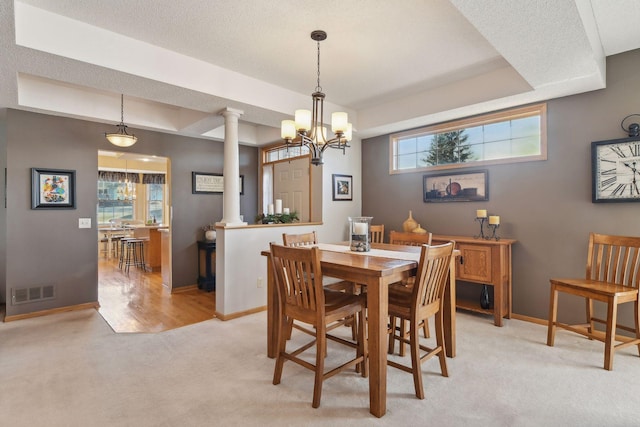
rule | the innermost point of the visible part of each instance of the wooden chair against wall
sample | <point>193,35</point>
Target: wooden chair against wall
<point>613,275</point>
<point>426,299</point>
<point>377,233</point>
<point>409,239</point>
<point>298,278</point>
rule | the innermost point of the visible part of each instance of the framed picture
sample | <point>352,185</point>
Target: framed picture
<point>615,170</point>
<point>53,189</point>
<point>210,183</point>
<point>468,186</point>
<point>342,187</point>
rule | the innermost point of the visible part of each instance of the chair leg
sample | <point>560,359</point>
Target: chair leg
<point>425,328</point>
<point>553,315</point>
<point>362,344</point>
<point>591,327</point>
<point>609,343</point>
<point>281,345</point>
<point>392,331</point>
<point>321,351</point>
<point>442,355</point>
<point>637,321</point>
<point>403,333</point>
<point>415,358</point>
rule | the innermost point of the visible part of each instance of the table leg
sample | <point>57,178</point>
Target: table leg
<point>273,306</point>
<point>378,309</point>
<point>450,311</point>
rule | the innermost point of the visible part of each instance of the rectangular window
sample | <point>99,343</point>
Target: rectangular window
<point>515,135</point>
<point>282,152</point>
<point>155,201</point>
<point>116,200</point>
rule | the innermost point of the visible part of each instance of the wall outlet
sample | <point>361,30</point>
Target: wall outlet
<point>84,222</point>
<point>259,282</point>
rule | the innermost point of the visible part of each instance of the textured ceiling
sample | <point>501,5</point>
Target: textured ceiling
<point>391,65</point>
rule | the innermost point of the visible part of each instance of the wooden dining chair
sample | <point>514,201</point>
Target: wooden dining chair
<point>426,299</point>
<point>377,233</point>
<point>304,239</point>
<point>298,278</point>
<point>309,239</point>
<point>408,239</point>
<point>613,274</point>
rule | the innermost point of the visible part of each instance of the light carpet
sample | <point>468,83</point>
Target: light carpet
<point>71,369</point>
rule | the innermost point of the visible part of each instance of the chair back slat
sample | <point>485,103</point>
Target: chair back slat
<point>298,276</point>
<point>433,271</point>
<point>614,259</point>
<point>409,239</point>
<point>304,239</point>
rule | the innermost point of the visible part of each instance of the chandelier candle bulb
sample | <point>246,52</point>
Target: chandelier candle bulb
<point>349,133</point>
<point>481,213</point>
<point>278,206</point>
<point>303,120</point>
<point>288,129</point>
<point>494,220</point>
<point>339,122</point>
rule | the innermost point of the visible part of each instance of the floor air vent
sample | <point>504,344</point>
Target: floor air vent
<point>33,294</point>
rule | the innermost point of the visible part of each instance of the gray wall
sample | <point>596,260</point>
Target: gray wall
<point>3,210</point>
<point>44,247</point>
<point>545,205</point>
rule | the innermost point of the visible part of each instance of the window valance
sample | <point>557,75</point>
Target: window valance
<point>114,176</point>
<point>153,178</point>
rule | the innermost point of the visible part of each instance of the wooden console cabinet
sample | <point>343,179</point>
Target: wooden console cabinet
<point>486,262</point>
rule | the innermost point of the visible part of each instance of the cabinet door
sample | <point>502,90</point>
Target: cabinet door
<point>476,263</point>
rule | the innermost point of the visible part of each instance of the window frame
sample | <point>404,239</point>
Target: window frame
<point>484,119</point>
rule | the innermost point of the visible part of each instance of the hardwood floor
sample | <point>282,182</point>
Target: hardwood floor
<point>139,302</point>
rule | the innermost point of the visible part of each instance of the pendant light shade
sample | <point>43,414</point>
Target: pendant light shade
<point>121,138</point>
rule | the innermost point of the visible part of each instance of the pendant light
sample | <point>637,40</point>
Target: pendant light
<point>121,138</point>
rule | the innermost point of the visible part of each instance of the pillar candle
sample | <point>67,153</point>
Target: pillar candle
<point>360,228</point>
<point>270,209</point>
<point>494,220</point>
<point>278,206</point>
<point>481,213</point>
<point>285,211</point>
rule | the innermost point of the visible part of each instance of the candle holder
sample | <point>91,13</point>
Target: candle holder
<point>493,228</point>
<point>359,235</point>
<point>481,220</point>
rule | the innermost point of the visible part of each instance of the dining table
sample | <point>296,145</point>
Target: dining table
<point>376,269</point>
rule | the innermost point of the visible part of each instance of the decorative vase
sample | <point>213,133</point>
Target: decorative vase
<point>409,224</point>
<point>485,301</point>
<point>419,230</point>
<point>210,235</point>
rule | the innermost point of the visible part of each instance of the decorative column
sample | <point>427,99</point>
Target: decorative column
<point>231,169</point>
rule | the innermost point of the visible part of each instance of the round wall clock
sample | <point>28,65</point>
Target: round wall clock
<point>616,170</point>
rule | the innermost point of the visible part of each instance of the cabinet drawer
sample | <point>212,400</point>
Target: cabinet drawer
<point>475,265</point>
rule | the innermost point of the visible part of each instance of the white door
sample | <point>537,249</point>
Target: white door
<point>291,184</point>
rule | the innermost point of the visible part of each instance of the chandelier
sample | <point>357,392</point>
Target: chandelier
<point>307,128</point>
<point>121,138</point>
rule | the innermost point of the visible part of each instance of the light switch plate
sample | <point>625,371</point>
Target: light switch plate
<point>84,222</point>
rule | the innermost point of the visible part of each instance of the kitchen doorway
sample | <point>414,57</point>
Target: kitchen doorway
<point>134,202</point>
